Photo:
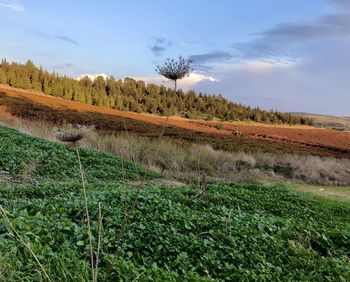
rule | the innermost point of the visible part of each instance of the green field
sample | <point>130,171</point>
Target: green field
<point>222,232</point>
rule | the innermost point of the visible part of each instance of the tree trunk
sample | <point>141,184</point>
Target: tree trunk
<point>175,86</point>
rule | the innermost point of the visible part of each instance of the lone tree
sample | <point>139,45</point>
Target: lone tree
<point>174,70</point>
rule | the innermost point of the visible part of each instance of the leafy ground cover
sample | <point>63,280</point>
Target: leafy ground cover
<point>222,232</point>
<point>229,232</point>
<point>21,154</point>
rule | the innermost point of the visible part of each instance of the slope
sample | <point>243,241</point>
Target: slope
<point>230,136</point>
<point>215,233</point>
<point>21,155</point>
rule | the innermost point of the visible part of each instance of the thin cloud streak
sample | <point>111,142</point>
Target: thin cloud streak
<point>331,25</point>
<point>12,6</point>
<point>286,39</point>
<point>216,56</point>
<point>343,3</point>
<point>40,33</point>
<point>65,38</point>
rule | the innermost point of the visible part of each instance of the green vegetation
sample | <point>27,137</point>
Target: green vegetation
<point>222,232</point>
<point>230,232</point>
<point>131,95</point>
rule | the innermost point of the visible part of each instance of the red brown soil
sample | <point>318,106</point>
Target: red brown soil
<point>234,136</point>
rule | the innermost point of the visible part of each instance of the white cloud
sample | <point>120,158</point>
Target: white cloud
<point>12,6</point>
<point>93,76</point>
<point>196,77</point>
<point>185,84</point>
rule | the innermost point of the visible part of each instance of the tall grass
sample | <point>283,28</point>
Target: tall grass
<point>86,206</point>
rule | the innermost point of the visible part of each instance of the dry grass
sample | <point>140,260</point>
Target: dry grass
<point>188,163</point>
<point>181,162</point>
<point>339,194</point>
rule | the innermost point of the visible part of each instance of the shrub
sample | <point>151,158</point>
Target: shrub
<point>220,126</point>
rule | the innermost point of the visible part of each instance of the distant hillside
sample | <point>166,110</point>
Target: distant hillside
<point>328,121</point>
<point>130,95</point>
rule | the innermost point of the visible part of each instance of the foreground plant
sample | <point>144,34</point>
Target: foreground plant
<point>73,135</point>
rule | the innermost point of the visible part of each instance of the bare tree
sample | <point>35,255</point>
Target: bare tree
<point>174,70</point>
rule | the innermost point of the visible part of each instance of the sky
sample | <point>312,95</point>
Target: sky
<point>289,55</point>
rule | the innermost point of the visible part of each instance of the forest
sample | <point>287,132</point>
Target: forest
<point>129,94</point>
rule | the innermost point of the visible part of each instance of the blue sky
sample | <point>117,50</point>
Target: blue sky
<point>291,55</point>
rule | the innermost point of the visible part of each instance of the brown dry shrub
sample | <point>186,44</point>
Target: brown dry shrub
<point>36,128</point>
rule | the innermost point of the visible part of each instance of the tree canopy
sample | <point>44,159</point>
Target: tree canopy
<point>174,70</point>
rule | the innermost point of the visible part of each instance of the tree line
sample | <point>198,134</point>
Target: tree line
<point>131,95</point>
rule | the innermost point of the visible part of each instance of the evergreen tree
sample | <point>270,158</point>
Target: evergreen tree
<point>3,78</point>
<point>111,102</point>
<point>78,94</point>
<point>46,86</point>
<point>88,96</point>
<point>68,92</point>
<point>11,78</point>
<point>120,103</point>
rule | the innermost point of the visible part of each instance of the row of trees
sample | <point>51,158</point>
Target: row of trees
<point>137,96</point>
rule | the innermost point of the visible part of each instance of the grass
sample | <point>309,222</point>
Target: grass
<point>336,193</point>
<point>228,232</point>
